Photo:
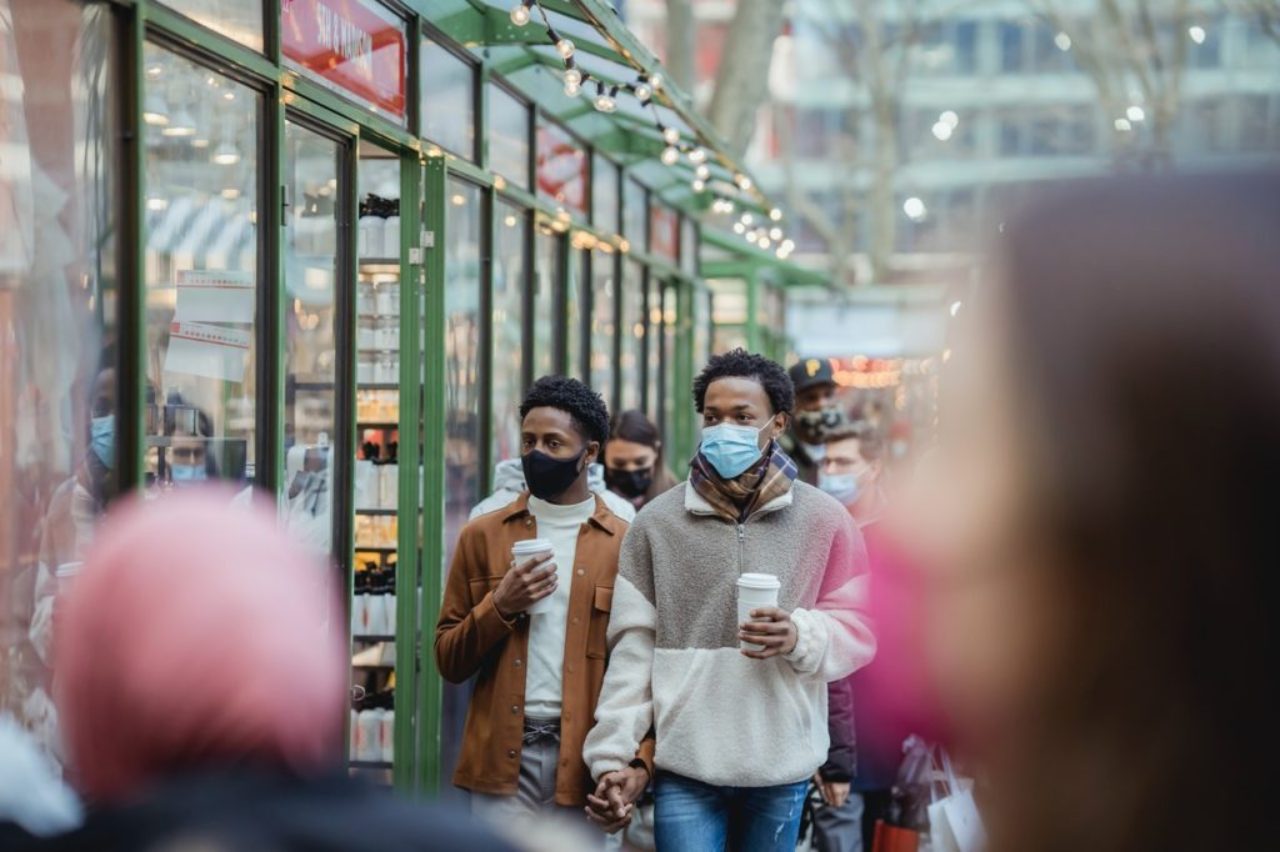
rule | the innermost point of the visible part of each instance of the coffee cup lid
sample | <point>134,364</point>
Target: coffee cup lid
<point>759,581</point>
<point>532,545</point>
<point>68,569</point>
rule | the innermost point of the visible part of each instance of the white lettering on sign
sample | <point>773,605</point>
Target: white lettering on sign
<point>345,39</point>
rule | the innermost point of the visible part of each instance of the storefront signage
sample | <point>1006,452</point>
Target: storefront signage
<point>353,46</point>
<point>215,296</point>
<point>211,351</point>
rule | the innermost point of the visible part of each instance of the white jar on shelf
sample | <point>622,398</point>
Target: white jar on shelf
<point>367,329</point>
<point>366,368</point>
<point>388,485</point>
<point>367,303</point>
<point>391,615</point>
<point>391,237</point>
<point>387,719</point>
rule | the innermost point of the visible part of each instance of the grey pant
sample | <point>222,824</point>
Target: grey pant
<point>532,813</point>
<point>838,829</point>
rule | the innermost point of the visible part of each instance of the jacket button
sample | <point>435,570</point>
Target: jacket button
<point>515,708</point>
<point>582,572</point>
<point>517,664</point>
<point>511,752</point>
<point>569,668</point>
<point>576,619</point>
<point>528,522</point>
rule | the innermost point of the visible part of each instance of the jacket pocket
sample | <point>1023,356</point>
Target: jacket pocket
<point>597,636</point>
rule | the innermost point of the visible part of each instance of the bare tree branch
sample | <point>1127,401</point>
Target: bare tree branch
<point>743,78</point>
<point>681,36</point>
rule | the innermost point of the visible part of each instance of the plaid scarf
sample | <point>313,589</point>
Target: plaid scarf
<point>735,500</point>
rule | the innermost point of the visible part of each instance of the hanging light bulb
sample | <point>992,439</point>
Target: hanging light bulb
<point>565,48</point>
<point>743,182</point>
<point>643,91</point>
<point>572,76</point>
<point>181,124</point>
<point>670,155</point>
<point>739,228</point>
<point>606,101</point>
<point>752,238</point>
<point>697,156</point>
<point>655,80</point>
<point>698,185</point>
<point>572,90</point>
<point>670,135</point>
<point>520,14</point>
<point>764,243</point>
<point>775,233</point>
<point>154,112</point>
<point>748,219</point>
<point>775,214</point>
<point>703,172</point>
<point>227,154</point>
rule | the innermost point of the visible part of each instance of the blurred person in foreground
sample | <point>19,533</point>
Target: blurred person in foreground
<point>740,728</point>
<point>816,412</point>
<point>1100,533</point>
<point>201,687</point>
<point>633,466</point>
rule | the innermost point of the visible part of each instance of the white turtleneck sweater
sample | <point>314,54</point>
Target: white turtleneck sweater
<point>544,677</point>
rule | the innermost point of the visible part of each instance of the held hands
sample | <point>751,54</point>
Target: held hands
<point>524,585</point>
<point>775,632</point>
<point>613,803</point>
<point>834,793</point>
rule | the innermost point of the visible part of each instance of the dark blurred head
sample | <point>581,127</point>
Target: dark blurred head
<point>1100,521</point>
<point>633,458</point>
<point>196,637</point>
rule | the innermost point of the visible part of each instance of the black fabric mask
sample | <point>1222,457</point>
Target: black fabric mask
<point>548,477</point>
<point>812,426</point>
<point>629,483</point>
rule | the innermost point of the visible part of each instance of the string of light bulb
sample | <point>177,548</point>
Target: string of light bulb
<point>645,89</point>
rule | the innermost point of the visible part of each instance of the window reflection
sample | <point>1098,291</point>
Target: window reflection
<point>448,99</point>
<point>509,274</point>
<point>604,306</point>
<point>509,136</point>
<point>561,168</point>
<point>59,459</point>
<point>632,335</point>
<point>635,216</point>
<point>239,20</point>
<point>462,357</point>
<point>311,274</point>
<point>546,267</point>
<point>606,212</point>
<point>201,271</point>
<point>573,297</point>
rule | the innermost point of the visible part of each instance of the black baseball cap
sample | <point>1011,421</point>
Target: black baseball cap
<point>810,372</point>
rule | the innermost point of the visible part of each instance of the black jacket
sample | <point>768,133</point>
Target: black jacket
<point>842,756</point>
<point>255,812</point>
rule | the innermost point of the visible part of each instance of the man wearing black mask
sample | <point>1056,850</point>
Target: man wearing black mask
<point>816,413</point>
<point>539,674</point>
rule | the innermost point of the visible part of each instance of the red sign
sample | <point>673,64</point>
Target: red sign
<point>354,46</point>
<point>664,232</point>
<point>562,168</point>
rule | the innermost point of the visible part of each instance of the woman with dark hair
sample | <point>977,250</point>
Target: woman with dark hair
<point>1101,537</point>
<point>633,467</point>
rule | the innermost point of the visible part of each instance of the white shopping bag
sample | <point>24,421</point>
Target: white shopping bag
<point>954,822</point>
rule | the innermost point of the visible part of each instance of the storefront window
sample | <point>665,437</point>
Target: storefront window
<point>632,331</point>
<point>573,298</point>
<point>634,216</point>
<point>448,99</point>
<point>310,281</point>
<point>238,20</point>
<point>201,272</point>
<point>604,305</point>
<point>546,265</point>
<point>605,211</point>
<point>462,357</point>
<point>653,349</point>
<point>670,315</point>
<point>509,136</point>
<point>561,168</point>
<point>664,232</point>
<point>688,246</point>
<point>510,271</point>
<point>701,327</point>
<point>357,48</point>
<point>59,458</point>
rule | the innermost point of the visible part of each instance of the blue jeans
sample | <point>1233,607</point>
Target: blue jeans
<point>697,817</point>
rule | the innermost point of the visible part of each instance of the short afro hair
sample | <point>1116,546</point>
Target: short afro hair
<point>740,363</point>
<point>584,405</point>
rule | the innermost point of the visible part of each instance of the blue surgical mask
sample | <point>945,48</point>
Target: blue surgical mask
<point>845,487</point>
<point>187,473</point>
<point>731,449</point>
<point>102,439</point>
<point>815,452</point>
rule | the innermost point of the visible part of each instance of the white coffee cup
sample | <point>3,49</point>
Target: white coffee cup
<point>66,574</point>
<point>755,591</point>
<point>522,552</point>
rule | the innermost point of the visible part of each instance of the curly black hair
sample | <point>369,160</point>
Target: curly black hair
<point>584,406</point>
<point>740,363</point>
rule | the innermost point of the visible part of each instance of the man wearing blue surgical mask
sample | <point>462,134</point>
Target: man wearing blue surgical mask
<point>738,705</point>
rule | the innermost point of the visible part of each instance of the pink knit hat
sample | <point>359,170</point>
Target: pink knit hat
<point>197,635</point>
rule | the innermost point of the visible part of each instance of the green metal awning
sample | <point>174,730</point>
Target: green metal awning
<point>608,52</point>
<point>729,256</point>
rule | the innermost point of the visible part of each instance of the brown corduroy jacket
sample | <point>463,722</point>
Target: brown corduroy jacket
<point>473,638</point>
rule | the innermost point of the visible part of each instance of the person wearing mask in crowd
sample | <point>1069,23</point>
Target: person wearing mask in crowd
<point>1100,527</point>
<point>633,466</point>
<point>816,412</point>
<point>202,690</point>
<point>862,764</point>
<point>739,732</point>
<point>538,676</point>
